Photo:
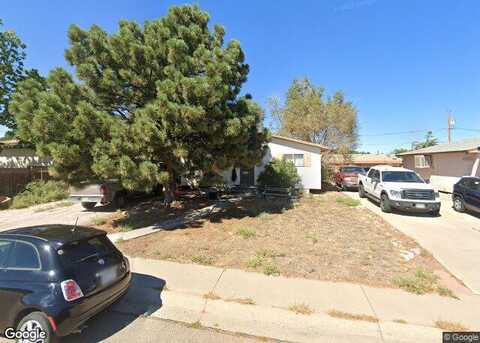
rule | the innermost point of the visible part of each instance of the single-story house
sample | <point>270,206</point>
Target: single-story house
<point>444,164</point>
<point>306,156</point>
<point>364,160</point>
<point>19,165</point>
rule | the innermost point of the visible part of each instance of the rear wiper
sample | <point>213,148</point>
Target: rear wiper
<point>89,257</point>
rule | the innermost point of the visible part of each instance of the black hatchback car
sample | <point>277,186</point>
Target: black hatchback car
<point>466,194</point>
<point>54,278</point>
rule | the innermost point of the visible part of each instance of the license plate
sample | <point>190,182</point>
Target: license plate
<point>420,206</point>
<point>108,276</point>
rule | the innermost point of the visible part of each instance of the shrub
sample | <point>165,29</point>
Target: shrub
<point>211,179</point>
<point>39,192</point>
<point>279,173</point>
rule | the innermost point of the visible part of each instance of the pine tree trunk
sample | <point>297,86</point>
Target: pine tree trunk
<point>170,187</point>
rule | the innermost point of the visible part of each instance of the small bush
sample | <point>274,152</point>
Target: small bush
<point>279,173</point>
<point>40,192</point>
<point>246,232</point>
<point>450,326</point>
<point>270,269</point>
<point>99,221</point>
<point>256,261</point>
<point>421,282</point>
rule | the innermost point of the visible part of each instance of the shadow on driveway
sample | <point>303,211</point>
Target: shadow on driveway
<point>142,299</point>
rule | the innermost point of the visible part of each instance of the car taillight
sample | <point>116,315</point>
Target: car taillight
<point>103,189</point>
<point>71,291</point>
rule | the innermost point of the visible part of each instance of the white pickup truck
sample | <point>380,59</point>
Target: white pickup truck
<point>399,188</point>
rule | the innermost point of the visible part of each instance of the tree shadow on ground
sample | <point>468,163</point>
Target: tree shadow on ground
<point>142,299</point>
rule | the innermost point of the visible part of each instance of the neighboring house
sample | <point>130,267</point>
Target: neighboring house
<point>19,165</point>
<point>363,160</point>
<point>306,156</point>
<point>444,164</point>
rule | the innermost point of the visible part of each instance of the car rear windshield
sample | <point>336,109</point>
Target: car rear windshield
<point>401,176</point>
<point>80,251</point>
<point>357,170</point>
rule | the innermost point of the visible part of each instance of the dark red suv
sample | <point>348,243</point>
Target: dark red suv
<point>347,177</point>
<point>54,278</point>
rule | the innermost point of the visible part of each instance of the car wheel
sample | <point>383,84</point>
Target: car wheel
<point>88,205</point>
<point>361,191</point>
<point>37,321</point>
<point>344,188</point>
<point>385,204</point>
<point>458,204</point>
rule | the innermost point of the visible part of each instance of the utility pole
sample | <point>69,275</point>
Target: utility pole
<point>451,122</point>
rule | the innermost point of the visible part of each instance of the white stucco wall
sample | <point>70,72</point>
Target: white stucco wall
<point>311,176</point>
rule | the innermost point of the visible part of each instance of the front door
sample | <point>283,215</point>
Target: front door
<point>247,177</point>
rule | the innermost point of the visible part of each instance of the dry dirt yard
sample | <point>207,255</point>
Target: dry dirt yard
<point>325,237</point>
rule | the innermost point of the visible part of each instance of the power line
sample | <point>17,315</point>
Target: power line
<point>401,132</point>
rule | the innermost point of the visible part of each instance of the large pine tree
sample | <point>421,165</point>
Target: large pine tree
<point>153,102</point>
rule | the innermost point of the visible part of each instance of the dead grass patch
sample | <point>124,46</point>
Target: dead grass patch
<point>318,238</point>
<point>351,316</point>
<point>450,326</point>
<point>211,296</point>
<point>243,301</point>
<point>301,309</point>
<point>400,321</point>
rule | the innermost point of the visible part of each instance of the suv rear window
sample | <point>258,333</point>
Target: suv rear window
<point>79,251</point>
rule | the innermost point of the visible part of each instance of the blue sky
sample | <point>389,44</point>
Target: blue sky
<point>402,63</point>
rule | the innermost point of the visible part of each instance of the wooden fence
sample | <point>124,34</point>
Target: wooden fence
<point>14,180</point>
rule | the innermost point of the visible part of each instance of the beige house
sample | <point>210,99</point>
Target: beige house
<point>444,164</point>
<point>363,160</point>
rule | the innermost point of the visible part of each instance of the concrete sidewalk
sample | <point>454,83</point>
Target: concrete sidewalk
<point>268,315</point>
<point>453,238</point>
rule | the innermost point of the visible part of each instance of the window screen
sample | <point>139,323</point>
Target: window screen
<point>23,256</point>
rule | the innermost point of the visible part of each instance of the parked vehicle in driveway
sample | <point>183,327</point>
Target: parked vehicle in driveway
<point>466,194</point>
<point>91,193</point>
<point>54,278</point>
<point>347,177</point>
<point>399,188</point>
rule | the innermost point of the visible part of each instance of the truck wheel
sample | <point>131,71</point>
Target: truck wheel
<point>385,204</point>
<point>37,321</point>
<point>458,204</point>
<point>88,205</point>
<point>361,191</point>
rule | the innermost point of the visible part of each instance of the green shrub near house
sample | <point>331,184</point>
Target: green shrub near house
<point>39,192</point>
<point>279,173</point>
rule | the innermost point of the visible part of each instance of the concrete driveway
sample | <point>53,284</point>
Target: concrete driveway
<point>51,213</point>
<point>453,238</point>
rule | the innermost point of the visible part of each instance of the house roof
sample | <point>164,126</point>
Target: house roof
<point>373,159</point>
<point>463,145</point>
<point>299,141</point>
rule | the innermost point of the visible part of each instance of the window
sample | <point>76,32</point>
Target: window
<point>356,170</point>
<point>401,176</point>
<point>422,161</point>
<point>23,256</point>
<point>374,174</point>
<point>4,249</point>
<point>79,251</point>
<point>297,159</point>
